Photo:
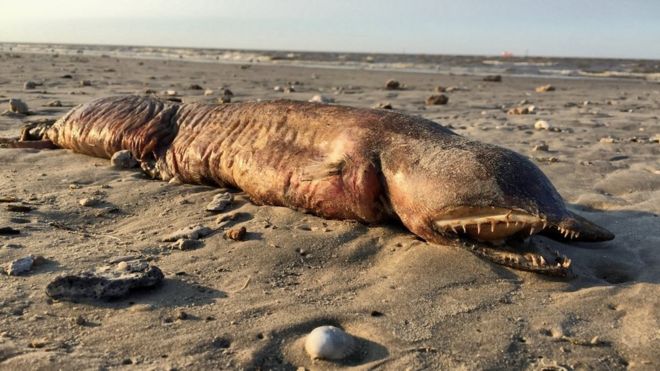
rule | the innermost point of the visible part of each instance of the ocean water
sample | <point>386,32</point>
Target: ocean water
<point>446,64</point>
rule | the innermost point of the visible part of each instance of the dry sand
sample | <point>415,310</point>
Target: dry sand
<point>413,305</point>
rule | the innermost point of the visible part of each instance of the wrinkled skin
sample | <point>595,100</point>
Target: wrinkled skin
<point>340,163</point>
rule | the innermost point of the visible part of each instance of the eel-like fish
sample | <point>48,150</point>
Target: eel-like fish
<point>339,163</point>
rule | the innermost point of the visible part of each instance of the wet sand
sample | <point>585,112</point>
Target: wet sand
<point>248,304</point>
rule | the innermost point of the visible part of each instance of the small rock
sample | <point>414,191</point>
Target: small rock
<point>541,147</point>
<point>220,202</point>
<point>208,92</point>
<point>170,93</point>
<point>29,85</point>
<point>8,231</point>
<point>440,89</point>
<point>106,282</point>
<point>321,99</point>
<point>392,85</point>
<point>123,160</point>
<point>195,87</point>
<point>236,234</point>
<point>22,265</point>
<point>184,244</point>
<point>544,88</point>
<point>193,232</point>
<point>493,78</point>
<point>521,110</point>
<point>149,91</point>
<point>607,140</point>
<point>381,105</point>
<point>227,93</point>
<point>89,201</point>
<point>18,106</point>
<point>224,99</point>
<point>278,89</point>
<point>19,208</point>
<point>435,100</point>
<point>541,125</point>
<point>54,103</point>
<point>181,315</point>
<point>85,83</point>
<point>80,320</point>
<point>329,342</point>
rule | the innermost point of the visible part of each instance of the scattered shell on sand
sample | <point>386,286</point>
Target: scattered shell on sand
<point>208,92</point>
<point>18,106</point>
<point>541,125</point>
<point>321,99</point>
<point>236,234</point>
<point>89,201</point>
<point>278,89</point>
<point>170,93</point>
<point>383,105</point>
<point>23,265</point>
<point>522,110</point>
<point>493,78</point>
<point>123,160</point>
<point>435,100</point>
<point>220,202</point>
<point>544,88</point>
<point>106,282</point>
<point>193,232</point>
<point>330,343</point>
<point>54,103</point>
<point>392,85</point>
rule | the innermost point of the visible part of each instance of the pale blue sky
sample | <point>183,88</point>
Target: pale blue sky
<point>586,28</point>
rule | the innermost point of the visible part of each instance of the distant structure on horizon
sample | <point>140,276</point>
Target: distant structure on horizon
<point>507,54</point>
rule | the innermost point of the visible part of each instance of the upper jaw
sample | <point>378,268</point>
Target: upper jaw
<point>497,224</point>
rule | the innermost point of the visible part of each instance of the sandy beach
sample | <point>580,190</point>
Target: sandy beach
<point>248,304</point>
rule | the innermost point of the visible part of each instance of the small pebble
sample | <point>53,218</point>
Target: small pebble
<point>236,234</point>
<point>392,85</point>
<point>321,99</point>
<point>541,125</point>
<point>85,83</point>
<point>544,88</point>
<point>18,106</point>
<point>54,103</point>
<point>330,343</point>
<point>220,202</point>
<point>123,160</point>
<point>435,100</point>
<point>493,78</point>
<point>29,85</point>
<point>90,201</point>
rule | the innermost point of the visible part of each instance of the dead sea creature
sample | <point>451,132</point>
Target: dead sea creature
<point>329,342</point>
<point>341,163</point>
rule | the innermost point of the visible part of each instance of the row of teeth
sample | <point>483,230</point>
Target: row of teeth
<point>567,232</point>
<point>535,260</point>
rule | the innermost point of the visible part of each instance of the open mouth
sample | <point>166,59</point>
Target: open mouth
<point>496,234</point>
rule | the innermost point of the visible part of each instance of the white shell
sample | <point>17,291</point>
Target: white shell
<point>329,342</point>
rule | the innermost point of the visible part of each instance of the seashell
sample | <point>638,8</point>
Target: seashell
<point>329,342</point>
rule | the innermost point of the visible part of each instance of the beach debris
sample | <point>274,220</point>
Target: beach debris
<point>543,147</point>
<point>18,106</point>
<point>208,92</point>
<point>236,234</point>
<point>123,160</point>
<point>440,89</point>
<point>493,78</point>
<point>383,105</point>
<point>184,244</point>
<point>54,103</point>
<point>105,282</point>
<point>89,201</point>
<point>541,125</point>
<point>193,232</point>
<point>227,93</point>
<point>18,208</point>
<point>170,93</point>
<point>28,85</point>
<point>66,76</point>
<point>220,202</point>
<point>392,85</point>
<point>321,99</point>
<point>522,110</point>
<point>437,99</point>
<point>23,265</point>
<point>195,87</point>
<point>149,91</point>
<point>329,343</point>
<point>85,83</point>
<point>544,88</point>
<point>608,140</point>
<point>278,89</point>
<point>224,99</point>
<point>9,231</point>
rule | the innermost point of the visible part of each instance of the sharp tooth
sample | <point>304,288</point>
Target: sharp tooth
<point>453,229</point>
<point>531,231</point>
<point>478,228</point>
<point>464,230</point>
<point>542,260</point>
<point>566,233</point>
<point>492,226</point>
<point>545,224</point>
<point>577,234</point>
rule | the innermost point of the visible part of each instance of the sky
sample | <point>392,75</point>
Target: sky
<point>575,28</point>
